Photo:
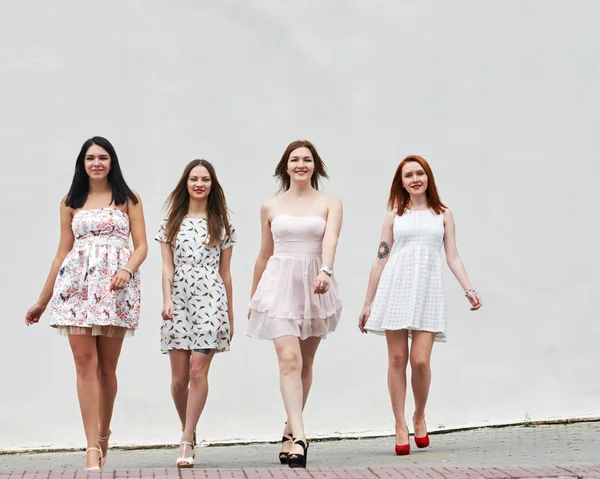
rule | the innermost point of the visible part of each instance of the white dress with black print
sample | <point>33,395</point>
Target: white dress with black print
<point>200,320</point>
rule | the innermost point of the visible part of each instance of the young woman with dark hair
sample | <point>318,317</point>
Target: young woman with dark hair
<point>94,283</point>
<point>295,300</point>
<point>405,295</point>
<point>196,241</point>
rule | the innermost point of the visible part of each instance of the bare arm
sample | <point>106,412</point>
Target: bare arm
<point>65,245</point>
<point>140,245</point>
<point>266,248</point>
<point>454,262</point>
<point>332,231</point>
<point>138,234</point>
<point>168,273</point>
<point>383,254</point>
<point>225,273</point>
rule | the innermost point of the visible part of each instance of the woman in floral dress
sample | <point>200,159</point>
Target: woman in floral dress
<point>196,244</point>
<point>94,283</point>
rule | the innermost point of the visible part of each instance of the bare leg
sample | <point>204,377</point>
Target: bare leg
<point>289,355</point>
<point>308,349</point>
<point>109,350</point>
<point>180,380</point>
<point>199,366</point>
<point>420,363</point>
<point>397,343</point>
<point>86,365</point>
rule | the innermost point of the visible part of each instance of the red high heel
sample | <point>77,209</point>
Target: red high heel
<point>422,442</point>
<point>403,449</point>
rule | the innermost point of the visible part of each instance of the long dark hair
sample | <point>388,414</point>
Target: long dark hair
<point>281,168</point>
<point>178,205</point>
<point>80,186</point>
<point>400,198</point>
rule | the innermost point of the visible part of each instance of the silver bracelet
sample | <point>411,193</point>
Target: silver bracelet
<point>127,270</point>
<point>470,291</point>
<point>327,270</point>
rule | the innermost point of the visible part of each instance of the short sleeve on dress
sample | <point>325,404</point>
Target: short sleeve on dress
<point>161,236</point>
<point>229,240</point>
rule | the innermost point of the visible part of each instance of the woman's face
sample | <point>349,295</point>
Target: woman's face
<point>199,183</point>
<point>301,165</point>
<point>414,178</point>
<point>97,162</point>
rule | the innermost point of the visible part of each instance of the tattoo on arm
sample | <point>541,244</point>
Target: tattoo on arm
<point>384,250</point>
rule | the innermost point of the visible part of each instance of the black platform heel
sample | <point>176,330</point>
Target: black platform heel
<point>283,456</point>
<point>298,460</point>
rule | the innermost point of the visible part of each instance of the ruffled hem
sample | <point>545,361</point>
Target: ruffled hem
<point>95,330</point>
<point>286,290</point>
<point>262,325</point>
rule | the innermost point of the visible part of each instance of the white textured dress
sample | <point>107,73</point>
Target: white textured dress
<point>410,294</point>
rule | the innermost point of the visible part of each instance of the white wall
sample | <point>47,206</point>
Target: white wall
<point>500,96</point>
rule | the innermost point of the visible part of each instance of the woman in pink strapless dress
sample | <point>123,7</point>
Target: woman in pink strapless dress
<point>295,300</point>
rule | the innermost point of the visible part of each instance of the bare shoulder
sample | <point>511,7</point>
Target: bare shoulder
<point>390,217</point>
<point>268,206</point>
<point>448,216</point>
<point>64,209</point>
<point>131,206</point>
<point>332,201</point>
<point>138,197</point>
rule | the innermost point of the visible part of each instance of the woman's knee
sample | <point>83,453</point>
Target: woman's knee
<point>397,360</point>
<point>290,362</point>
<point>199,370</point>
<point>419,363</point>
<point>86,362</point>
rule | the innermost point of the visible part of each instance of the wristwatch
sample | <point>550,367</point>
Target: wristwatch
<point>327,270</point>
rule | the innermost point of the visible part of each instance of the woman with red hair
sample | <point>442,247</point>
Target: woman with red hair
<point>405,295</point>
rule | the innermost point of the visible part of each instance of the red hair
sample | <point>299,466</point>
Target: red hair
<point>400,198</point>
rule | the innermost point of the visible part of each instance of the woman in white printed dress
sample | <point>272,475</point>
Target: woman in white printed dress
<point>196,245</point>
<point>295,300</point>
<point>94,283</point>
<point>405,296</point>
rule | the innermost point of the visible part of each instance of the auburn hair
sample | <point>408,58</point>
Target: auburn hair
<point>281,173</point>
<point>178,205</point>
<point>400,198</point>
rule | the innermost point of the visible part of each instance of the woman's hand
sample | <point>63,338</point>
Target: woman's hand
<point>363,318</point>
<point>167,311</point>
<point>34,314</point>
<point>230,327</point>
<point>322,283</point>
<point>474,299</point>
<point>120,280</point>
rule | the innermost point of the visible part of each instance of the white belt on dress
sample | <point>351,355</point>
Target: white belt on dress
<point>88,247</point>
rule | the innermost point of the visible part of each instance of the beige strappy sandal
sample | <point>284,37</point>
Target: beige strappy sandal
<point>104,439</point>
<point>100,463</point>
<point>184,462</point>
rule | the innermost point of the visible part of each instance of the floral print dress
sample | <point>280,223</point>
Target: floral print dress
<point>82,302</point>
<point>200,309</point>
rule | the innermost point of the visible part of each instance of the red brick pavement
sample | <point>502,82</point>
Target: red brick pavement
<point>322,473</point>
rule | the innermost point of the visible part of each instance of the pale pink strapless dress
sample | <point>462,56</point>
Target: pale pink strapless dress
<point>284,303</point>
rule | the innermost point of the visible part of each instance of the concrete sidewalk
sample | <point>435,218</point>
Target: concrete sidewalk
<point>571,450</point>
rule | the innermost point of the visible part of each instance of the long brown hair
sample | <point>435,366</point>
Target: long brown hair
<point>281,174</point>
<point>178,205</point>
<point>400,198</point>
